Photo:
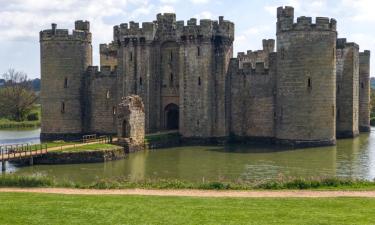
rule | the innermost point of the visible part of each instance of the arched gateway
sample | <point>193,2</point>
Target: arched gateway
<point>171,115</point>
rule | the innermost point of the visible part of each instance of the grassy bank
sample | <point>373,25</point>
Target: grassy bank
<point>10,124</point>
<point>287,184</point>
<point>27,208</point>
<point>6,123</point>
<point>90,147</point>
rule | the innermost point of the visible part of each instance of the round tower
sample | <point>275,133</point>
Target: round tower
<point>306,80</point>
<point>64,57</point>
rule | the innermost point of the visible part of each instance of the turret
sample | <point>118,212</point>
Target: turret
<point>364,91</point>
<point>306,81</point>
<point>347,91</point>
<point>64,59</point>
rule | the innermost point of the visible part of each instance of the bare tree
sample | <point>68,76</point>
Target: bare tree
<point>16,97</point>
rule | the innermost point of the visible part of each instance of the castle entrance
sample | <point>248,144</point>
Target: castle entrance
<point>171,113</point>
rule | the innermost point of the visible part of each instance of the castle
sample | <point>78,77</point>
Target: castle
<point>313,89</point>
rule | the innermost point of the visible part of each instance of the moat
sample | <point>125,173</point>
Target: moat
<point>352,158</point>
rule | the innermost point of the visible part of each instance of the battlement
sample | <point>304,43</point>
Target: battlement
<point>166,25</point>
<point>365,53</point>
<point>285,22</point>
<point>82,25</point>
<point>341,43</point>
<point>81,33</point>
<point>105,71</point>
<point>259,56</point>
<point>248,68</point>
<point>107,48</point>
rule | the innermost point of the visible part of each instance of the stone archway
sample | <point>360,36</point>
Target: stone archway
<point>171,115</point>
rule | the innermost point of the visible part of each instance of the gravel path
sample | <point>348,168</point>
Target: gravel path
<point>199,193</point>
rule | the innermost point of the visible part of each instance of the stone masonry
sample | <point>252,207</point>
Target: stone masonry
<point>131,123</point>
<point>311,90</point>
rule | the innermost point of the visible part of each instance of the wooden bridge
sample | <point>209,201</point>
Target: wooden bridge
<point>21,151</point>
<point>10,153</point>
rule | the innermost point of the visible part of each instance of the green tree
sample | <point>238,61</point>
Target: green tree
<point>16,97</point>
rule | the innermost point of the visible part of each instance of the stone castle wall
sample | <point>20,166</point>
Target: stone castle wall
<point>289,96</point>
<point>347,88</point>
<point>364,91</point>
<point>306,80</point>
<point>64,58</point>
<point>252,97</point>
<point>102,99</point>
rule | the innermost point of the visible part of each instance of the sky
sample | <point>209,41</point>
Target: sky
<point>21,21</point>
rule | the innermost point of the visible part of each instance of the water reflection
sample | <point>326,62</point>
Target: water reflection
<point>354,158</point>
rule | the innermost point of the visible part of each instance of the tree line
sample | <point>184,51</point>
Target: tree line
<point>17,97</point>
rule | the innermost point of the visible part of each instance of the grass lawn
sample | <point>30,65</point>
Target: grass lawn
<point>27,208</point>
<point>90,147</point>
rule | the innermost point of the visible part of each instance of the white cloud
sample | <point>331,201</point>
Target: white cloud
<point>199,1</point>
<point>166,9</point>
<point>169,1</point>
<point>204,15</point>
<point>361,10</point>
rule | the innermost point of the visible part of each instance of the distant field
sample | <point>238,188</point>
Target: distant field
<point>26,208</point>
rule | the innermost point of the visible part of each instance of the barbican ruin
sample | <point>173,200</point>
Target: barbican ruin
<point>312,89</point>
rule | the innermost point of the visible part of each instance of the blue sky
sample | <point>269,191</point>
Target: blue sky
<point>21,21</point>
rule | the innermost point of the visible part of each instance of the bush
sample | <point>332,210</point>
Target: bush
<point>372,121</point>
<point>33,117</point>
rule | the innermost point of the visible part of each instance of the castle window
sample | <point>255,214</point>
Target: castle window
<point>108,94</point>
<point>171,57</point>
<point>198,51</point>
<point>171,80</point>
<point>199,81</point>
<point>62,107</point>
<point>362,85</point>
<point>140,81</point>
<point>338,113</point>
<point>282,53</point>
<point>114,110</point>
<point>66,82</point>
<point>309,83</point>
<point>338,89</point>
<point>131,56</point>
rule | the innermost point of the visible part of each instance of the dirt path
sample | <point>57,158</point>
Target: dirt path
<point>198,193</point>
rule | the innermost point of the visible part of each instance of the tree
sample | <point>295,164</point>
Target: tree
<point>16,97</point>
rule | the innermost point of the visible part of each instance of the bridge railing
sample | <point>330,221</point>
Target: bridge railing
<point>19,151</point>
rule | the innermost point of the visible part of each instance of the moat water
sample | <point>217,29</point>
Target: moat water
<point>351,158</point>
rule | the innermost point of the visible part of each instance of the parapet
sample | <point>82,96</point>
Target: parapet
<point>108,49</point>
<point>258,56</point>
<point>80,33</point>
<point>341,43</point>
<point>285,22</point>
<point>166,26</point>
<point>105,71</point>
<point>365,53</point>
<point>82,25</point>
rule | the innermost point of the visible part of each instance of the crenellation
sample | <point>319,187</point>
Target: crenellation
<point>285,22</point>
<point>54,34</point>
<point>82,25</point>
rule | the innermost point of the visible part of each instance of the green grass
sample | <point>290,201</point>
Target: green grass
<point>10,124</point>
<point>90,147</point>
<point>123,183</point>
<point>28,208</point>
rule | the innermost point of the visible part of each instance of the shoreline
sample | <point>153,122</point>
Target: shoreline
<point>197,193</point>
